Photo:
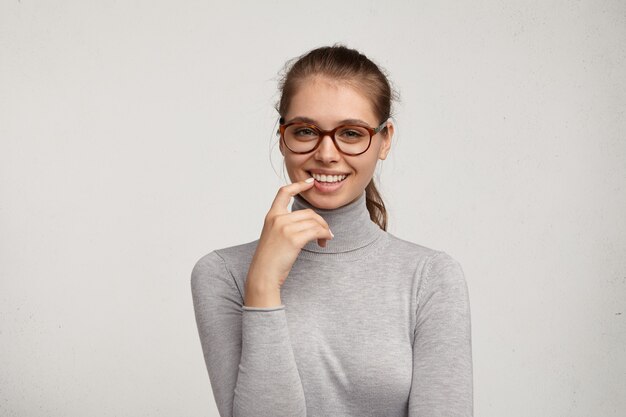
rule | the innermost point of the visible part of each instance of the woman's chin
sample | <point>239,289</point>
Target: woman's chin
<point>326,201</point>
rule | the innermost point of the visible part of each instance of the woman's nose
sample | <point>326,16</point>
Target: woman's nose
<point>327,151</point>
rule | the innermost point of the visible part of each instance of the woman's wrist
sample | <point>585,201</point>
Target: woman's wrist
<point>261,296</point>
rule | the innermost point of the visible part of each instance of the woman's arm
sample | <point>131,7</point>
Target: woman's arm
<point>442,348</point>
<point>247,350</point>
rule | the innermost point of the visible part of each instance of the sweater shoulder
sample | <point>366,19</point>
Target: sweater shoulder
<point>436,271</point>
<point>238,254</point>
<point>229,264</point>
<point>427,260</point>
<point>230,255</point>
<point>410,249</point>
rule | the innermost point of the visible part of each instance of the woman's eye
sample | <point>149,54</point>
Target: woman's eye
<point>305,132</point>
<point>351,134</point>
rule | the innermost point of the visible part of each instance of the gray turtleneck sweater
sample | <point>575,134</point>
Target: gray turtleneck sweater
<point>370,325</point>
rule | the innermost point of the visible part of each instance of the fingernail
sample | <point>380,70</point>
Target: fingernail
<point>309,180</point>
<point>331,233</point>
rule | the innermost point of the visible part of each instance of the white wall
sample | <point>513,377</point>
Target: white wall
<point>136,136</point>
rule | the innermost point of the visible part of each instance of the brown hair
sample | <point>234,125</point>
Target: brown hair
<point>348,65</point>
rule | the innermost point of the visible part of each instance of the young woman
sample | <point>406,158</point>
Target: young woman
<point>327,314</point>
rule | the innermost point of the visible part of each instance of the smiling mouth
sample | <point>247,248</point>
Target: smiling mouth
<point>330,179</point>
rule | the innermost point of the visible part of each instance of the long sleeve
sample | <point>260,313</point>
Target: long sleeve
<point>247,351</point>
<point>442,382</point>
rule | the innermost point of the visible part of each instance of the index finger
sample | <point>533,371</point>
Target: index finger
<point>286,192</point>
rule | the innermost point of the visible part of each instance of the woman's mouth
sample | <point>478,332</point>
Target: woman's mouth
<point>328,178</point>
<point>328,183</point>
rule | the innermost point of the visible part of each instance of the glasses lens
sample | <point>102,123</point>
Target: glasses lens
<point>301,137</point>
<point>350,139</point>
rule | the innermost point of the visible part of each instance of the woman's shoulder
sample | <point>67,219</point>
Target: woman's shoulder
<point>232,255</point>
<point>432,259</point>
<point>407,248</point>
<point>228,261</point>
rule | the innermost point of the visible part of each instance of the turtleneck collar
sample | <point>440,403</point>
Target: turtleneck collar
<point>355,233</point>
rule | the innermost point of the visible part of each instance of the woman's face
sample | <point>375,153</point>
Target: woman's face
<point>327,103</point>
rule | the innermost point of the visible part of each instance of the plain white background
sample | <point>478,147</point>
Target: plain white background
<point>136,137</point>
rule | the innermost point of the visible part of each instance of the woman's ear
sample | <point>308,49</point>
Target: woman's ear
<point>386,143</point>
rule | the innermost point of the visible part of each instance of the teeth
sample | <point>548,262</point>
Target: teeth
<point>329,178</point>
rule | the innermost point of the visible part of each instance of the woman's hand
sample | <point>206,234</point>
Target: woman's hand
<point>283,236</point>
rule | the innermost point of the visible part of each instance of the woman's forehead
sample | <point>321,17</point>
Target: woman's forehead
<point>330,101</point>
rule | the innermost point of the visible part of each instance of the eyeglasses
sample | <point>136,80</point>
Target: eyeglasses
<point>303,138</point>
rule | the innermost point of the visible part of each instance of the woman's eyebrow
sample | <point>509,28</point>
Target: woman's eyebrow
<point>341,122</point>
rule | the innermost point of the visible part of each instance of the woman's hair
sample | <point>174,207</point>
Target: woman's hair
<point>341,63</point>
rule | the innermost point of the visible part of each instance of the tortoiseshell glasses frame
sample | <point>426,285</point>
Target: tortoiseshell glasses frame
<point>322,133</point>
